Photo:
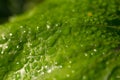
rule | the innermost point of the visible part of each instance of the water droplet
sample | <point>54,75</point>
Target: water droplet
<point>24,31</point>
<point>60,66</point>
<point>10,34</point>
<point>70,62</point>
<point>68,75</point>
<point>95,50</point>
<point>37,27</point>
<point>73,71</point>
<point>2,52</point>
<point>92,54</point>
<point>46,67</point>
<point>21,26</point>
<point>49,71</point>
<point>56,25</point>
<point>86,54</point>
<point>17,63</point>
<point>48,26</point>
<point>17,46</point>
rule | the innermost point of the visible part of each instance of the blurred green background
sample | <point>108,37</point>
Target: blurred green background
<point>10,8</point>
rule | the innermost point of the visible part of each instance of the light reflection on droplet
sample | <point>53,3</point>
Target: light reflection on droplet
<point>56,24</point>
<point>68,75</point>
<point>46,67</point>
<point>86,54</point>
<point>17,46</point>
<point>48,26</point>
<point>49,71</point>
<point>95,50</point>
<point>17,63</point>
<point>24,31</point>
<point>37,27</point>
<point>70,62</point>
<point>60,66</point>
<point>6,47</point>
<point>10,34</point>
<point>73,71</point>
<point>2,52</point>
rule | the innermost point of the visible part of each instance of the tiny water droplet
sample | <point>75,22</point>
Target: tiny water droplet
<point>68,75</point>
<point>92,54</point>
<point>17,63</point>
<point>24,31</point>
<point>86,54</point>
<point>60,66</point>
<point>21,26</point>
<point>56,24</point>
<point>46,67</point>
<point>2,52</point>
<point>10,34</point>
<point>70,62</point>
<point>95,50</point>
<point>37,27</point>
<point>17,46</point>
<point>48,26</point>
<point>73,71</point>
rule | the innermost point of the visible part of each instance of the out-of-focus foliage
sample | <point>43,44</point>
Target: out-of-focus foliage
<point>13,7</point>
